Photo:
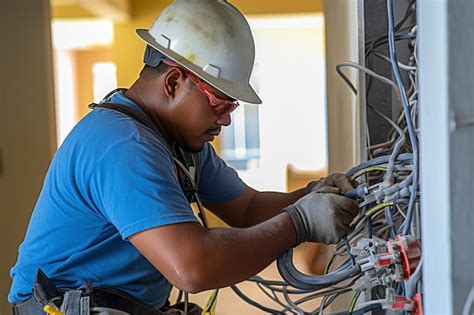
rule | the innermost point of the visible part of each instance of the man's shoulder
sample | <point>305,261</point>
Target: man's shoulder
<point>105,128</point>
<point>106,135</point>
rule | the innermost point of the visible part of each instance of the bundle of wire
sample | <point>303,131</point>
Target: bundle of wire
<point>390,205</point>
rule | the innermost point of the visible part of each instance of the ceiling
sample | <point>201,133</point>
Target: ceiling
<point>117,10</point>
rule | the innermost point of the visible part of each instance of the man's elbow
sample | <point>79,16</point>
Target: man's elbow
<point>192,279</point>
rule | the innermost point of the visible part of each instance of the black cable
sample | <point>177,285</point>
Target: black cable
<point>369,223</point>
<point>372,46</point>
<point>253,303</point>
<point>326,303</point>
<point>348,247</point>
<point>302,281</point>
<point>408,12</point>
<point>381,41</point>
<point>272,296</point>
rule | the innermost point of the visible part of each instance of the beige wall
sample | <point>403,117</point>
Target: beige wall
<point>342,107</point>
<point>27,127</point>
<point>343,110</point>
<point>83,61</point>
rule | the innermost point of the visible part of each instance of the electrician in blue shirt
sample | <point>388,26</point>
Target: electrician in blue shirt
<point>113,209</point>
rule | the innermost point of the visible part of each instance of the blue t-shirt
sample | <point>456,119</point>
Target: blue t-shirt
<point>111,178</point>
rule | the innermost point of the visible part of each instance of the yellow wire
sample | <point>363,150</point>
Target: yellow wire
<point>51,310</point>
<point>329,263</point>
<point>377,208</point>
<point>210,307</point>
<point>353,302</point>
<point>368,169</point>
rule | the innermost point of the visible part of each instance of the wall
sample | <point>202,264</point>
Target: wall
<point>84,61</point>
<point>461,180</point>
<point>446,94</point>
<point>342,107</point>
<point>343,110</point>
<point>291,82</point>
<point>27,123</point>
<point>435,192</point>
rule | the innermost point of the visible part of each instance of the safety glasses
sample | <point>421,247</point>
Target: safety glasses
<point>218,105</point>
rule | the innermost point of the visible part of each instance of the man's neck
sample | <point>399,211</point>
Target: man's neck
<point>150,111</point>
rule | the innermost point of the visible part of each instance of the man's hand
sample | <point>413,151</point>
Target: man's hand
<point>322,217</point>
<point>338,182</point>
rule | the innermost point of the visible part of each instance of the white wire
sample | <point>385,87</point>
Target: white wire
<point>380,301</point>
<point>401,65</point>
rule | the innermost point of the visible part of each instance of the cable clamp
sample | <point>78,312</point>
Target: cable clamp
<point>397,302</point>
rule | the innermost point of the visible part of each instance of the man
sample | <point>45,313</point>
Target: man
<point>114,214</point>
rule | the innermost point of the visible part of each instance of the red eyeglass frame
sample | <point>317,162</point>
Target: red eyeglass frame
<point>218,105</point>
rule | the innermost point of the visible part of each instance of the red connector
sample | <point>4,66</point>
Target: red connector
<point>401,303</point>
<point>418,304</point>
<point>410,253</point>
<point>404,253</point>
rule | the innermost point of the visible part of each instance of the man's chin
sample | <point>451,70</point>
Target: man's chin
<point>193,148</point>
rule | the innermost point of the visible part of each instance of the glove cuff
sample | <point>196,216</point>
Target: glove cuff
<point>295,216</point>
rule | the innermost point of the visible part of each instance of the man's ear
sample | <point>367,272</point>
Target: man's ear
<point>174,80</point>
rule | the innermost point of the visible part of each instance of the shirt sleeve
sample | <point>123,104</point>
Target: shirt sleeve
<point>136,188</point>
<point>218,183</point>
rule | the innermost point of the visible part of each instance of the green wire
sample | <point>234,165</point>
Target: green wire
<point>329,263</point>
<point>353,302</point>
<point>377,208</point>
<point>369,169</point>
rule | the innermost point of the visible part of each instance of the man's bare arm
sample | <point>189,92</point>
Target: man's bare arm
<point>195,259</point>
<point>253,207</point>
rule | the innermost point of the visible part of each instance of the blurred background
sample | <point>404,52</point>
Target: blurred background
<point>64,54</point>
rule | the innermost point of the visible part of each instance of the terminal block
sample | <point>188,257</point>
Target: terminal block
<point>396,302</point>
<point>385,262</point>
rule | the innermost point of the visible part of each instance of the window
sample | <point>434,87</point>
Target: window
<point>104,79</point>
<point>290,125</point>
<point>241,140</point>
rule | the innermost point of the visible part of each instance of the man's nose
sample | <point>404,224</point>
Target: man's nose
<point>224,120</point>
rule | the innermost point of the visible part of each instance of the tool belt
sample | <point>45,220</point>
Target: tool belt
<point>86,300</point>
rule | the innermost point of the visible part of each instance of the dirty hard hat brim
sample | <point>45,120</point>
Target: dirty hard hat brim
<point>241,92</point>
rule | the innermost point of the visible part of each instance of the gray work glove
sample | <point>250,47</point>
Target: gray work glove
<point>337,180</point>
<point>322,217</point>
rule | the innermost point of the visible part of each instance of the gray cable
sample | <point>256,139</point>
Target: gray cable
<point>408,117</point>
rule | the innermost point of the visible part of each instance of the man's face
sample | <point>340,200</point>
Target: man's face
<point>193,120</point>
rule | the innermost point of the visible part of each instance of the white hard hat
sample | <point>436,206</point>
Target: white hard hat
<point>212,39</point>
